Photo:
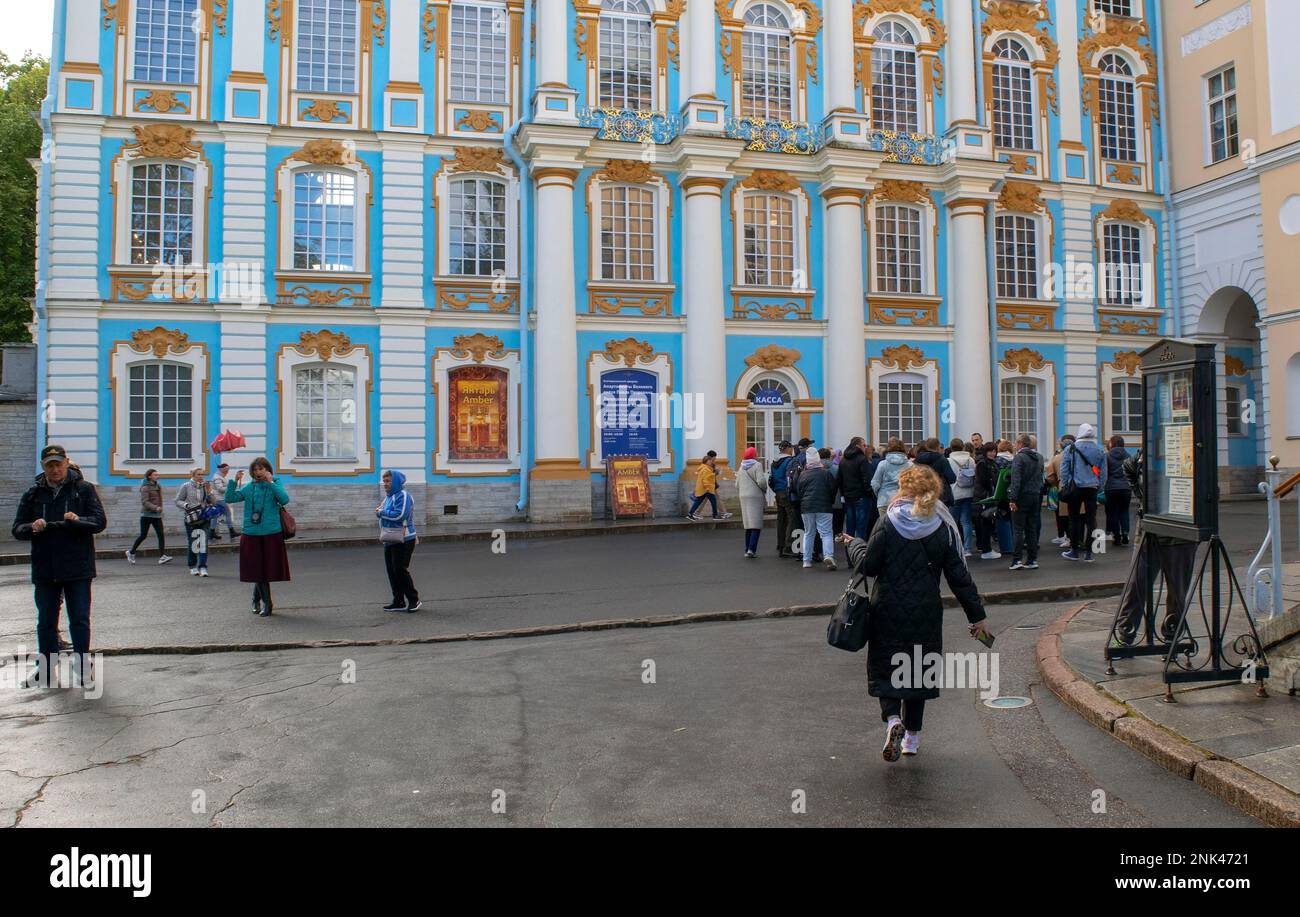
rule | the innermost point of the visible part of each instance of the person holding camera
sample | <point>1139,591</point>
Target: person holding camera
<point>194,498</point>
<point>263,559</point>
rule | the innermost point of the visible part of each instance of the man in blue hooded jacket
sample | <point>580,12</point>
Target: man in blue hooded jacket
<point>1083,473</point>
<point>397,533</point>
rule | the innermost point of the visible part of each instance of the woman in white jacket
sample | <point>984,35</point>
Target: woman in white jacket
<point>963,492</point>
<point>751,482</point>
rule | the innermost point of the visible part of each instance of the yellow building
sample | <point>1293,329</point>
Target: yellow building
<point>1233,110</point>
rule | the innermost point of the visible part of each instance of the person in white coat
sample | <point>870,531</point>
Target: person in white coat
<point>751,482</point>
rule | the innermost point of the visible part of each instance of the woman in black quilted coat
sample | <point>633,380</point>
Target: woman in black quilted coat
<point>916,540</point>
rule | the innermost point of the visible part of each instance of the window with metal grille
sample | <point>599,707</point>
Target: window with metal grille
<point>1017,257</point>
<point>626,55</point>
<point>895,100</point>
<point>1117,107</point>
<point>1019,403</point>
<point>898,249</point>
<point>765,63</point>
<point>166,42</point>
<point>327,46</point>
<point>1122,271</point>
<point>627,233</point>
<point>324,221</point>
<point>1013,96</point>
<point>162,214</point>
<point>325,411</point>
<point>160,411</point>
<point>1126,408</point>
<point>478,52</point>
<point>1232,407</point>
<point>902,411</point>
<point>477,227</point>
<point>769,240</point>
<point>1221,90</point>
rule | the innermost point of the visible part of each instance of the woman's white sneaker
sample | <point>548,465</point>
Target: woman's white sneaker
<point>911,743</point>
<point>130,557</point>
<point>893,739</point>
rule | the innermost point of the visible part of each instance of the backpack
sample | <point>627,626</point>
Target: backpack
<point>792,481</point>
<point>966,475</point>
<point>776,477</point>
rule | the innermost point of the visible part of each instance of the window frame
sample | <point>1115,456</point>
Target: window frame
<point>121,359</point>
<point>1026,67</point>
<point>446,359</point>
<point>1035,388</point>
<point>1037,224</point>
<point>362,196</point>
<point>768,198</point>
<point>324,222</point>
<point>289,360</point>
<point>298,36</point>
<point>925,255</point>
<point>503,13</point>
<point>1122,135</point>
<point>651,73</point>
<point>133,67</point>
<point>325,427</point>
<point>894,48</point>
<point>661,211</point>
<point>771,35</point>
<point>1232,140</point>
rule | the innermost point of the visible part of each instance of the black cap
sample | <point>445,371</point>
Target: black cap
<point>785,444</point>
<point>806,442</point>
<point>53,452</point>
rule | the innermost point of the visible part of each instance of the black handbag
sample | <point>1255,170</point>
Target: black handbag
<point>847,629</point>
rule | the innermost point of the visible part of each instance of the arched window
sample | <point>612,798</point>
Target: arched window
<point>766,83</point>
<point>327,46</point>
<point>1017,256</point>
<point>626,55</point>
<point>627,233</point>
<point>478,52</point>
<point>1122,264</point>
<point>1117,110</point>
<point>324,221</point>
<point>325,411</point>
<point>160,411</point>
<point>477,227</point>
<point>166,42</point>
<point>769,240</point>
<point>770,418</point>
<point>162,213</point>
<point>1013,96</point>
<point>898,249</point>
<point>895,99</point>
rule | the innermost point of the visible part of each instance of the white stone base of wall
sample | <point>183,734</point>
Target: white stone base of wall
<point>17,455</point>
<point>559,501</point>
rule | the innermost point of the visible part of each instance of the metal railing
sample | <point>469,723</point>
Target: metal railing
<point>1265,578</point>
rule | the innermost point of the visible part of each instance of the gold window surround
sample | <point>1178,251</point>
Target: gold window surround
<point>1124,366</point>
<point>372,26</point>
<point>119,17</point>
<point>1123,36</point>
<point>806,22</point>
<point>629,353</point>
<point>477,349</point>
<point>158,143</point>
<point>455,291</point>
<point>327,155</point>
<point>665,17</point>
<point>1025,364</point>
<point>901,358</point>
<point>779,362</point>
<point>1022,198</point>
<point>436,27</point>
<point>772,181</point>
<point>632,172</point>
<point>1026,316</point>
<point>323,348</point>
<point>1129,321</point>
<point>931,34</point>
<point>1129,212</point>
<point>912,194</point>
<point>1029,23</point>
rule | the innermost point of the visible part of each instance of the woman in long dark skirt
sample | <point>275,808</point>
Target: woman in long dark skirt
<point>915,541</point>
<point>263,559</point>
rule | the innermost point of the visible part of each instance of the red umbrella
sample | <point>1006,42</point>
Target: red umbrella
<point>228,442</point>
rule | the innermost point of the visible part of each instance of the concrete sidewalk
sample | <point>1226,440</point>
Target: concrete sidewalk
<point>1243,748</point>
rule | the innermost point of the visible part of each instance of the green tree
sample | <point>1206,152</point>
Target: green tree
<point>22,88</point>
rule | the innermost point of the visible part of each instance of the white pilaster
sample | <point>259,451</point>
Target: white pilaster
<point>960,52</point>
<point>1077,229</point>
<point>247,45</point>
<point>74,194</point>
<point>403,221</point>
<point>555,101</point>
<point>244,210</point>
<point>244,377</point>
<point>839,57</point>
<point>703,112</point>
<point>556,353</point>
<point>406,41</point>
<point>403,386</point>
<point>846,380</point>
<point>1079,387</point>
<point>72,405</point>
<point>972,372</point>
<point>1067,35</point>
<point>705,372</point>
<point>81,31</point>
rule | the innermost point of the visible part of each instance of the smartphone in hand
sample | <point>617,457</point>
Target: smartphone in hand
<point>985,637</point>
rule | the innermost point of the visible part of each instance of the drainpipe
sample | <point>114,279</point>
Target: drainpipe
<point>1171,225</point>
<point>43,221</point>
<point>525,250</point>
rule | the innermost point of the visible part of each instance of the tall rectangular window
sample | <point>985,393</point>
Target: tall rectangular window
<point>1013,96</point>
<point>1017,257</point>
<point>1221,92</point>
<point>162,214</point>
<point>1126,408</point>
<point>898,249</point>
<point>627,233</point>
<point>161,411</point>
<point>166,41</point>
<point>324,221</point>
<point>1122,270</point>
<point>766,82</point>
<point>477,224</point>
<point>769,240</point>
<point>626,67</point>
<point>1019,408</point>
<point>1117,110</point>
<point>325,409</point>
<point>478,53</point>
<point>327,46</point>
<point>902,411</point>
<point>1232,407</point>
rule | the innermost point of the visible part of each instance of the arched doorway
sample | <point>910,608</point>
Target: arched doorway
<point>769,418</point>
<point>1230,319</point>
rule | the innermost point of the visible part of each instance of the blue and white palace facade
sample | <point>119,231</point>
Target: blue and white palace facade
<point>469,238</point>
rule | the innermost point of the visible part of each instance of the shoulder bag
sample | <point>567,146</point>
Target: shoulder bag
<point>847,629</point>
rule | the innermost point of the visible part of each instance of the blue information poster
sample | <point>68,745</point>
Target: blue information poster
<point>628,425</point>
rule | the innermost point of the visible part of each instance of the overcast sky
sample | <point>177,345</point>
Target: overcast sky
<point>26,25</point>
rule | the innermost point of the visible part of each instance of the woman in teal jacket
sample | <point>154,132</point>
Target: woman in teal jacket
<point>262,557</point>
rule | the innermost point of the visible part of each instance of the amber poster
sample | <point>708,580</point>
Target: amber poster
<point>629,485</point>
<point>478,414</point>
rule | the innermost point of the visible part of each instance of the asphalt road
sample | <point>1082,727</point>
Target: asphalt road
<point>740,720</point>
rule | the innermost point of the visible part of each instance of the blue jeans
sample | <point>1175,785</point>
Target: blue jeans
<point>857,517</point>
<point>49,598</point>
<point>961,511</point>
<point>817,524</point>
<point>196,558</point>
<point>713,502</point>
<point>751,539</point>
<point>1006,538</point>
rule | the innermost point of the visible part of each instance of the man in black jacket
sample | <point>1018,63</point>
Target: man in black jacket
<point>930,453</point>
<point>855,487</point>
<point>816,488</point>
<point>61,515</point>
<point>1025,494</point>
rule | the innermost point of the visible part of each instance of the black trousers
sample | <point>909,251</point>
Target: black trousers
<point>397,560</point>
<point>1117,503</point>
<point>787,520</point>
<point>1027,524</point>
<point>1083,513</point>
<point>147,523</point>
<point>912,712</point>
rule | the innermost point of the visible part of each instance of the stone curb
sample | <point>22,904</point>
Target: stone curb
<point>1253,794</point>
<point>1011,597</point>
